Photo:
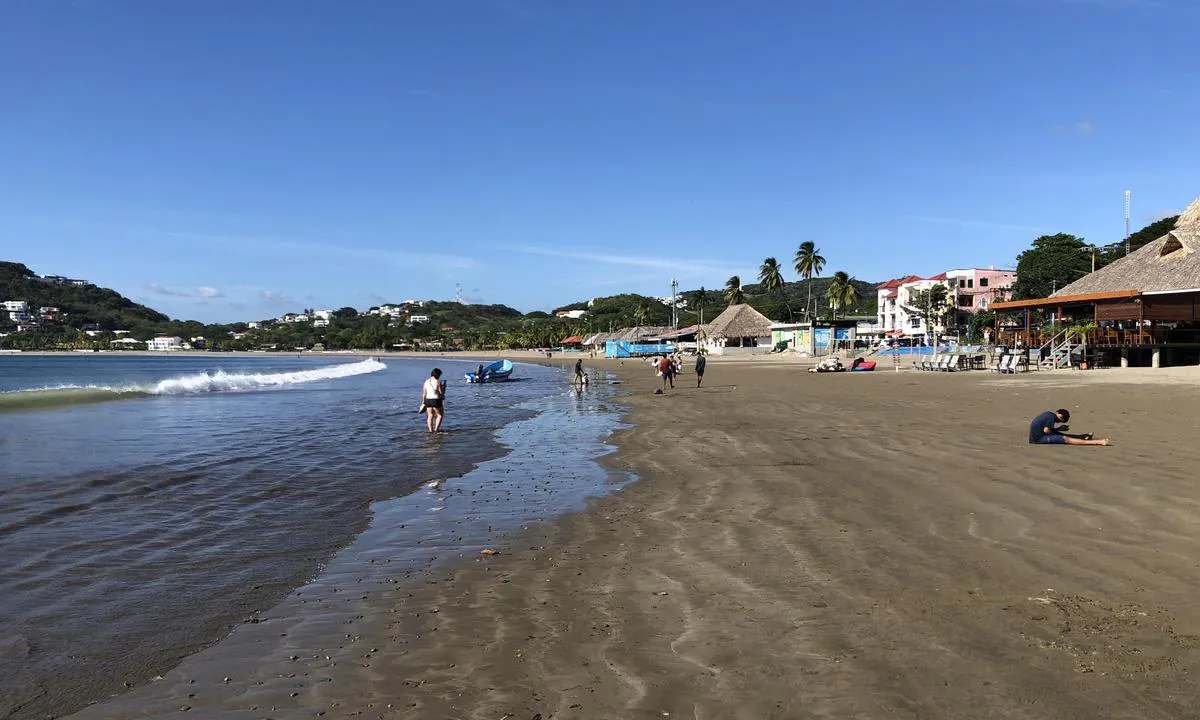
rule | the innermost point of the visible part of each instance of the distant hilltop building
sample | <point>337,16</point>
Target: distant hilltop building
<point>18,310</point>
<point>60,280</point>
<point>571,314</point>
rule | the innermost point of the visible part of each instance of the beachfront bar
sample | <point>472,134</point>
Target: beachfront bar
<point>1143,309</point>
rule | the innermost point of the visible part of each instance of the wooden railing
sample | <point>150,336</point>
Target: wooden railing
<point>1133,337</point>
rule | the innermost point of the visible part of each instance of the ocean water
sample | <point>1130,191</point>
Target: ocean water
<point>150,504</point>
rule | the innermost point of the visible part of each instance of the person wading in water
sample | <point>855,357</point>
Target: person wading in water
<point>433,396</point>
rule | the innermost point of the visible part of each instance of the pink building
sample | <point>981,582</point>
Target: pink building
<point>970,290</point>
<point>976,289</point>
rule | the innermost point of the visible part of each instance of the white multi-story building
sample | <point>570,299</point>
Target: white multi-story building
<point>390,310</point>
<point>322,314</point>
<point>571,314</point>
<point>968,290</point>
<point>18,310</point>
<point>163,343</point>
<point>417,319</point>
<point>320,322</point>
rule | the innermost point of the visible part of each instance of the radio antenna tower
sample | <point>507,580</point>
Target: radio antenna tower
<point>1126,222</point>
<point>458,293</point>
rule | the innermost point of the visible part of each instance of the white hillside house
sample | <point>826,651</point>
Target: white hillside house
<point>163,343</point>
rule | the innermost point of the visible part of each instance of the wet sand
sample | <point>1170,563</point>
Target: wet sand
<point>877,545</point>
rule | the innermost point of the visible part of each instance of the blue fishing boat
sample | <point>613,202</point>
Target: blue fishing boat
<point>498,371</point>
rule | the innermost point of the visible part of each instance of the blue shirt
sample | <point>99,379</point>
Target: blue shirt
<point>1040,423</point>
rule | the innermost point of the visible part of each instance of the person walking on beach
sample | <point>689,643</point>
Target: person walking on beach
<point>433,396</point>
<point>700,363</point>
<point>579,377</point>
<point>1042,431</point>
<point>664,371</point>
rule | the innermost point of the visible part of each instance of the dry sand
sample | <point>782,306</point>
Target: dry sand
<point>867,545</point>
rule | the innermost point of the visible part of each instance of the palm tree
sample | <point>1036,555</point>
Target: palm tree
<point>639,315</point>
<point>733,291</point>
<point>772,280</point>
<point>930,305</point>
<point>698,302</point>
<point>808,263</point>
<point>842,293</point>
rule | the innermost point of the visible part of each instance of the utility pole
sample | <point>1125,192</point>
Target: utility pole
<point>674,304</point>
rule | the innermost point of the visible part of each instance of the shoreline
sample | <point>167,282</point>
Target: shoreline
<point>408,538</point>
<point>789,553</point>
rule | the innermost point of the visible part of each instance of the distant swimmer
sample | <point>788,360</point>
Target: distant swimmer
<point>1044,430</point>
<point>433,396</point>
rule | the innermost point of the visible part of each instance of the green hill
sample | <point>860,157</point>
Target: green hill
<point>619,310</point>
<point>78,305</point>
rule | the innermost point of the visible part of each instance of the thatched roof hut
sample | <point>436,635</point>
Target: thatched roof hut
<point>1191,216</point>
<point>738,321</point>
<point>1170,263</point>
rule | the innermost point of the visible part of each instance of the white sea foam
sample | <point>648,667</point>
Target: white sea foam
<point>220,380</point>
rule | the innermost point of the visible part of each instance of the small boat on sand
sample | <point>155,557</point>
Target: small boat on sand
<point>498,371</point>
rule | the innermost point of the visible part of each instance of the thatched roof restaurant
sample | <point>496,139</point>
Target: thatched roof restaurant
<point>739,326</point>
<point>1149,299</point>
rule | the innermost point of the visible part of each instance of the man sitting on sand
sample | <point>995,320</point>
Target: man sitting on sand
<point>1042,431</point>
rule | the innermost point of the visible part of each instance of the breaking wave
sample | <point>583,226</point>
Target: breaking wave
<point>193,384</point>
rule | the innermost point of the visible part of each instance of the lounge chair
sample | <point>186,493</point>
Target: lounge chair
<point>1020,365</point>
<point>944,363</point>
<point>956,363</point>
<point>931,363</point>
<point>1004,363</point>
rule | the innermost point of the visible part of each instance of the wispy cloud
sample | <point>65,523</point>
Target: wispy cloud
<point>275,297</point>
<point>672,265</point>
<point>1116,3</point>
<point>512,8</point>
<point>1082,128</point>
<point>984,224</point>
<point>391,257</point>
<point>200,292</point>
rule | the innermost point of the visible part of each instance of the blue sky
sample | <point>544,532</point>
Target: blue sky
<point>225,160</point>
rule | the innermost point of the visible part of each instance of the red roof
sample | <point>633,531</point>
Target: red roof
<point>900,281</point>
<point>573,340</point>
<point>689,330</point>
<point>940,276</point>
<point>891,293</point>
